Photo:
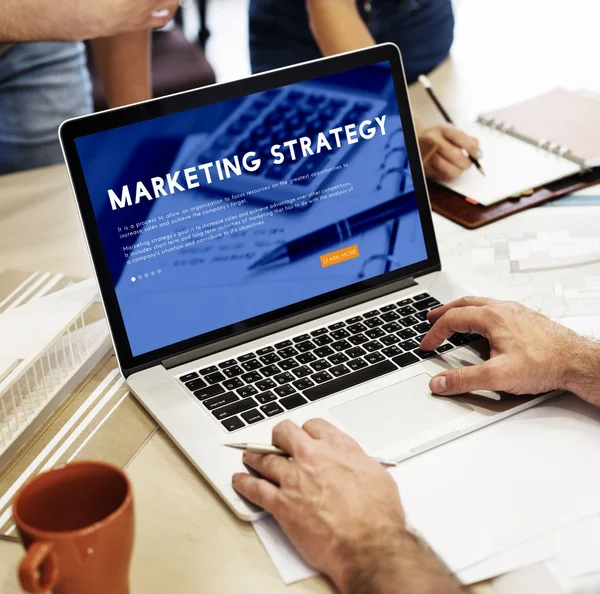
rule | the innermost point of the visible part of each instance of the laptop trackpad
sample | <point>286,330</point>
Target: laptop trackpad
<point>400,411</point>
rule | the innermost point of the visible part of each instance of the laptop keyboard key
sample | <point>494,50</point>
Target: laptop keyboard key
<point>247,391</point>
<point>421,296</point>
<point>284,390</point>
<point>233,384</point>
<point>339,334</point>
<point>358,339</point>
<point>270,370</point>
<point>304,383</point>
<point>371,314</point>
<point>271,409</point>
<point>266,397</point>
<point>408,321</point>
<point>252,377</point>
<point>265,384</point>
<point>195,385</point>
<point>338,358</point>
<point>209,392</point>
<point>391,327</point>
<point>458,339</point>
<point>301,338</point>
<point>321,377</point>
<point>284,344</point>
<point>356,328</point>
<point>215,378</point>
<point>252,416</point>
<point>406,334</point>
<point>246,357</point>
<point>357,364</point>
<point>233,371</point>
<point>235,408</point>
<point>445,347</point>
<point>289,364</point>
<point>188,377</point>
<point>404,302</point>
<point>409,345</point>
<point>323,340</point>
<point>373,322</point>
<point>405,359</point>
<point>421,315</point>
<point>288,352</point>
<point>336,326</point>
<point>270,358</point>
<point>341,345</point>
<point>390,316</point>
<point>284,378</point>
<point>265,350</point>
<point>349,380</point>
<point>372,346</point>
<point>375,333</point>
<point>220,400</point>
<point>425,354</point>
<point>290,402</point>
<point>387,308</point>
<point>320,365</point>
<point>374,357</point>
<point>233,423</point>
<point>355,352</point>
<point>208,370</point>
<point>306,346</point>
<point>426,304</point>
<point>251,365</point>
<point>306,358</point>
<point>339,370</point>
<point>391,351</point>
<point>423,327</point>
<point>407,310</point>
<point>389,340</point>
<point>227,363</point>
<point>319,332</point>
<point>302,371</point>
<point>354,320</point>
<point>324,351</point>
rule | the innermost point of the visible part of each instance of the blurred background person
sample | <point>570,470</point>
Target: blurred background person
<point>285,33</point>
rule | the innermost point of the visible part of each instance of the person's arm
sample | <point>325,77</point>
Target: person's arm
<point>342,511</point>
<point>529,353</point>
<point>123,63</point>
<point>338,27</point>
<point>75,20</point>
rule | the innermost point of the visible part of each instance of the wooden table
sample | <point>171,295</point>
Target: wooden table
<point>187,541</point>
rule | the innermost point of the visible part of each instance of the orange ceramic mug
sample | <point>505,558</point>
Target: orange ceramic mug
<point>76,522</point>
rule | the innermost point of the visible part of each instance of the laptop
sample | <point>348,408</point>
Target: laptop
<point>265,251</point>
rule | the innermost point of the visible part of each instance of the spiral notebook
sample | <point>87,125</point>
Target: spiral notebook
<point>531,144</point>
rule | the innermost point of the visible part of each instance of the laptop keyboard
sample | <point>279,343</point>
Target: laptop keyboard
<point>275,379</point>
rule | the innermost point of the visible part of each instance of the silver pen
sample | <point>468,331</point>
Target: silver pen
<point>258,448</point>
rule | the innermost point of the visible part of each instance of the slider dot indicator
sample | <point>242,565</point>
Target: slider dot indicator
<point>146,275</point>
<point>159,271</point>
<point>139,277</point>
<point>133,279</point>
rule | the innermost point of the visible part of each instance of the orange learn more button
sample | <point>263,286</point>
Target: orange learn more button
<point>343,255</point>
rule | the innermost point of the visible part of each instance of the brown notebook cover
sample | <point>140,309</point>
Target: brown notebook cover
<point>453,206</point>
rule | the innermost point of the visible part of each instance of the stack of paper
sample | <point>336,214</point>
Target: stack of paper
<point>486,501</point>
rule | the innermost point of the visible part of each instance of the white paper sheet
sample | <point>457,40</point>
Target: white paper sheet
<point>511,167</point>
<point>496,488</point>
<point>576,546</point>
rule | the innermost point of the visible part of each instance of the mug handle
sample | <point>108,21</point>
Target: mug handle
<point>34,577</point>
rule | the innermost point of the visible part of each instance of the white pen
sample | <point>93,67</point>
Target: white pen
<point>258,448</point>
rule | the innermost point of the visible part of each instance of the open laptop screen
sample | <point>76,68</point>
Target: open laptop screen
<point>215,215</point>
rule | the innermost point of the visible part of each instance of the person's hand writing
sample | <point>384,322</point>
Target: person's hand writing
<point>341,510</point>
<point>529,353</point>
<point>449,161</point>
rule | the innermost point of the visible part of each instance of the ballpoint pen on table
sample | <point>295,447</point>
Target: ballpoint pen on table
<point>339,231</point>
<point>427,86</point>
<point>257,448</point>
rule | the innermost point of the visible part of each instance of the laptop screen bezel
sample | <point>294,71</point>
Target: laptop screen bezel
<point>83,126</point>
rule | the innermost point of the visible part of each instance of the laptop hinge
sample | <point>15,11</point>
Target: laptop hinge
<point>285,323</point>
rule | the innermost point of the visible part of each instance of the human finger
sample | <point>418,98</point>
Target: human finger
<point>460,139</point>
<point>464,319</point>
<point>288,436</point>
<point>470,300</point>
<point>272,467</point>
<point>485,376</point>
<point>321,429</point>
<point>257,490</point>
<point>443,169</point>
<point>454,155</point>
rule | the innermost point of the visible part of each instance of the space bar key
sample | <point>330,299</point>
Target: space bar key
<point>350,380</point>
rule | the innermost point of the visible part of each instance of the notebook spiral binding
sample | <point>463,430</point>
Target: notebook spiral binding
<point>543,143</point>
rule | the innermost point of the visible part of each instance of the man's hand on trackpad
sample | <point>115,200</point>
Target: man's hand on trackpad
<point>529,353</point>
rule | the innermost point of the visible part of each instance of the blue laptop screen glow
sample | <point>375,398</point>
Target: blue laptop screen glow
<point>218,214</point>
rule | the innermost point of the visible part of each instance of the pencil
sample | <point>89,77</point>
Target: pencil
<point>427,86</point>
<point>257,448</point>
